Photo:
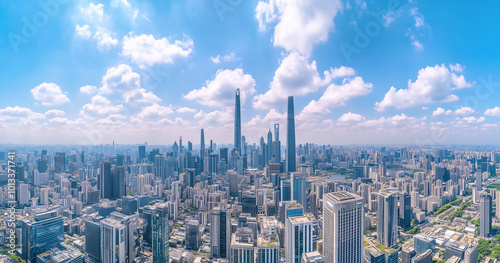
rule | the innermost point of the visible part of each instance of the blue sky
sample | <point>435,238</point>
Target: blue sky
<point>376,72</point>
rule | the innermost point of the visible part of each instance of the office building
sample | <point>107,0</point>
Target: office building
<point>61,253</point>
<point>290,138</point>
<point>237,122</point>
<point>105,181</point>
<point>387,216</point>
<point>471,254</point>
<point>486,217</point>
<point>298,238</point>
<point>343,227</point>
<point>93,239</point>
<point>242,249</point>
<point>112,241</point>
<point>220,233</point>
<point>160,233</point>
<point>268,248</point>
<point>40,234</point>
<point>424,257</point>
<point>192,235</point>
<point>299,188</point>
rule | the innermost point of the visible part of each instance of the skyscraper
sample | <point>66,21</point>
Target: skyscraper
<point>269,153</point>
<point>202,146</point>
<point>119,184</point>
<point>41,234</point>
<point>220,229</point>
<point>299,188</point>
<point>498,204</point>
<point>290,138</point>
<point>159,225</point>
<point>237,122</point>
<point>298,238</point>
<point>485,215</point>
<point>105,182</point>
<point>142,153</point>
<point>387,218</point>
<point>276,144</point>
<point>343,228</point>
<point>112,241</point>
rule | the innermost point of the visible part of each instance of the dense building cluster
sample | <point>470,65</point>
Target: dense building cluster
<point>245,202</point>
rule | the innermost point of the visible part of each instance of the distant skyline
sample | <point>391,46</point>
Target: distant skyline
<point>361,72</point>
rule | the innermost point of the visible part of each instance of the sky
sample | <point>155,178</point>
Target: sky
<point>361,72</point>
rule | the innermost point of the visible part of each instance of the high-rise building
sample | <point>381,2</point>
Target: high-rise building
<point>237,122</point>
<point>129,205</point>
<point>42,233</point>
<point>286,190</point>
<point>119,184</point>
<point>424,257</point>
<point>60,162</point>
<point>485,215</point>
<point>387,218</point>
<point>130,234</point>
<point>192,235</point>
<point>269,151</point>
<point>471,254</point>
<point>498,204</point>
<point>112,241</point>
<point>404,207</point>
<point>298,238</point>
<point>93,239</point>
<point>290,138</point>
<point>479,181</point>
<point>268,248</point>
<point>299,188</point>
<point>160,231</point>
<point>105,181</point>
<point>242,250</point>
<point>276,144</point>
<point>343,228</point>
<point>220,233</point>
<point>142,153</point>
<point>202,147</point>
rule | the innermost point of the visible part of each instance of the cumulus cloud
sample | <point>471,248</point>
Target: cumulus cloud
<point>226,58</point>
<point>100,106</point>
<point>185,110</point>
<point>433,84</point>
<point>54,113</point>
<point>214,118</point>
<point>104,39</point>
<point>145,50</point>
<point>93,11</point>
<point>492,112</point>
<point>295,77</point>
<point>140,96</point>
<point>300,24</point>
<point>49,94</point>
<point>120,79</point>
<point>83,31</point>
<point>88,89</point>
<point>154,112</point>
<point>394,121</point>
<point>457,67</point>
<point>459,112</point>
<point>351,117</point>
<point>337,95</point>
<point>472,119</point>
<point>271,117</point>
<point>220,91</point>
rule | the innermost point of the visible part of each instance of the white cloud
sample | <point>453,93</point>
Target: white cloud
<point>154,112</point>
<point>417,44</point>
<point>83,31</point>
<point>220,91</point>
<point>337,95</point>
<point>54,113</point>
<point>301,23</point>
<point>145,50</point>
<point>226,58</point>
<point>100,106</point>
<point>104,39</point>
<point>394,121</point>
<point>433,84</point>
<point>140,96</point>
<point>93,11</point>
<point>351,117</point>
<point>472,120</point>
<point>49,94</point>
<point>271,117</point>
<point>88,89</point>
<point>459,112</point>
<point>338,73</point>
<point>419,18</point>
<point>17,112</point>
<point>116,3</point>
<point>457,68</point>
<point>214,118</point>
<point>185,110</point>
<point>120,79</point>
<point>492,112</point>
<point>425,108</point>
<point>295,77</point>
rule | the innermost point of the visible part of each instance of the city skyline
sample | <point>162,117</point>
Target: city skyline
<point>130,72</point>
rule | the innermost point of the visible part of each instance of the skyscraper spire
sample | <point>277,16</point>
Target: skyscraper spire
<point>290,138</point>
<point>237,122</point>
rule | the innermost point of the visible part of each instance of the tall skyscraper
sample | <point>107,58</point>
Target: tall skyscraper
<point>159,225</point>
<point>485,215</point>
<point>343,228</point>
<point>237,122</point>
<point>387,218</point>
<point>202,146</point>
<point>119,184</point>
<point>220,233</point>
<point>498,204</point>
<point>142,153</point>
<point>105,181</point>
<point>298,238</point>
<point>290,138</point>
<point>192,235</point>
<point>269,153</point>
<point>276,144</point>
<point>299,188</point>
<point>112,241</point>
<point>41,234</point>
<point>404,206</point>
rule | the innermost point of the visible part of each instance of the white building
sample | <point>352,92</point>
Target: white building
<point>112,241</point>
<point>298,229</point>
